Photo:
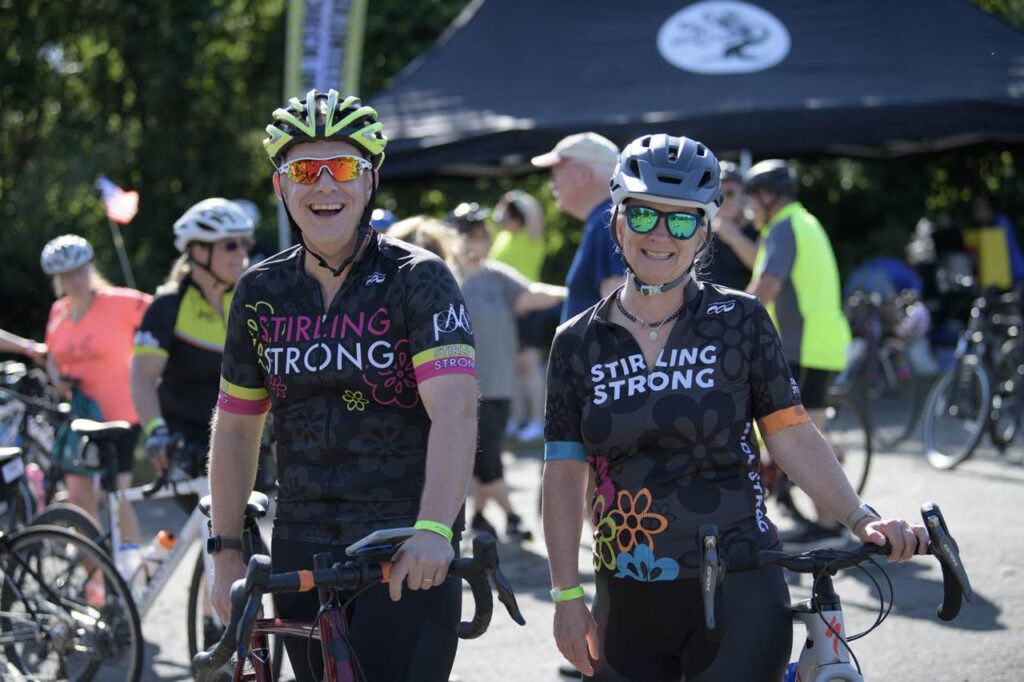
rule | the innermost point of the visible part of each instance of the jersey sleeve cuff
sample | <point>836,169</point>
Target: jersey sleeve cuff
<point>241,400</point>
<point>149,350</point>
<point>782,419</point>
<point>564,449</point>
<point>456,358</point>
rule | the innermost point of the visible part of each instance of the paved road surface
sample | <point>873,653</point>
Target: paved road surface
<point>981,501</point>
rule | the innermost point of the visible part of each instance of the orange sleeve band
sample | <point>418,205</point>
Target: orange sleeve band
<point>385,568</point>
<point>782,419</point>
<point>306,582</point>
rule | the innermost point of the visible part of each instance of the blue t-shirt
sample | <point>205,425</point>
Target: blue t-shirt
<point>596,260</point>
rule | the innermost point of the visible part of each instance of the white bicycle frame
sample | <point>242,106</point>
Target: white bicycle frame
<point>824,657</point>
<point>194,529</point>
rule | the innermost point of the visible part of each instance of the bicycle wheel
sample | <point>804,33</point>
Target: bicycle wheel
<point>65,612</point>
<point>956,413</point>
<point>848,433</point>
<point>1009,394</point>
<point>17,506</point>
<point>201,627</point>
<point>893,390</point>
<point>72,517</point>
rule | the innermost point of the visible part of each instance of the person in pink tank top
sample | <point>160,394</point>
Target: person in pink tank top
<point>89,335</point>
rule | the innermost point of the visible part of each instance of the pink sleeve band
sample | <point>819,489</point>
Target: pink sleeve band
<point>230,403</point>
<point>458,364</point>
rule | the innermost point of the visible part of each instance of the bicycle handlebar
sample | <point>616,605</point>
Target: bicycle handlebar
<point>353,575</point>
<point>956,586</point>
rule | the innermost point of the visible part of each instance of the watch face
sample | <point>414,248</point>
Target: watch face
<point>212,545</point>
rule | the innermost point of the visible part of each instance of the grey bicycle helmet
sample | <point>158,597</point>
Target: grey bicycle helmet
<point>670,170</point>
<point>774,175</point>
<point>64,254</point>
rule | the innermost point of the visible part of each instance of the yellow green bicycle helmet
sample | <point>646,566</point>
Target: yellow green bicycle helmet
<point>325,116</point>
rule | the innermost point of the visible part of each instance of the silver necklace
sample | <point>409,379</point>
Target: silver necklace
<point>644,324</point>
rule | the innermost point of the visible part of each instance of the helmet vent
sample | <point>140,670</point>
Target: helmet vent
<point>704,179</point>
<point>670,180</point>
<point>634,167</point>
<point>701,151</point>
<point>646,141</point>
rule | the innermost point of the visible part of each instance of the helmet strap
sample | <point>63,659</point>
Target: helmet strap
<point>363,231</point>
<point>651,289</point>
<point>208,265</point>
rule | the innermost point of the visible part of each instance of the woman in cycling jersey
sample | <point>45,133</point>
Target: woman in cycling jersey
<point>89,336</point>
<point>656,390</point>
<point>362,347</point>
<point>179,346</point>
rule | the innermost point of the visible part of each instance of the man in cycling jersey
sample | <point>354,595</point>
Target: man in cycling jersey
<point>362,347</point>
<point>656,388</point>
<point>797,279</point>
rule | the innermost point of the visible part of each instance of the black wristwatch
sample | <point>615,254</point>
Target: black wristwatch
<point>218,542</point>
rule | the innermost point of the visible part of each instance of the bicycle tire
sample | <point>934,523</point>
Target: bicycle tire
<point>937,455</point>
<point>1008,402</point>
<point>102,648</point>
<point>886,403</point>
<point>848,432</point>
<point>72,517</point>
<point>20,506</point>
<point>197,587</point>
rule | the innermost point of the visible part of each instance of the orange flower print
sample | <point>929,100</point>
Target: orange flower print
<point>634,522</point>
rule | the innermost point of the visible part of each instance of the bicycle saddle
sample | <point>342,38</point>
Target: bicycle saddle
<point>99,430</point>
<point>255,508</point>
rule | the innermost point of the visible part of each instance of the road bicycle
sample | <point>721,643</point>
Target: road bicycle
<point>826,655</point>
<point>65,611</point>
<point>984,389</point>
<point>879,376</point>
<point>848,432</point>
<point>366,563</point>
<point>150,580</point>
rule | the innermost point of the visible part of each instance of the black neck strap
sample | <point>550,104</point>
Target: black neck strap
<point>208,265</point>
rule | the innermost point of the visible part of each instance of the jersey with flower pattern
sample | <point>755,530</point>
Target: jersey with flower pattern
<point>671,446</point>
<point>343,382</point>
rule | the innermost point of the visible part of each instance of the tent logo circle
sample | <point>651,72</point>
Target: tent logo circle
<point>722,37</point>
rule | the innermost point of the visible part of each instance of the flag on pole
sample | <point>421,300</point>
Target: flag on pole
<point>121,206</point>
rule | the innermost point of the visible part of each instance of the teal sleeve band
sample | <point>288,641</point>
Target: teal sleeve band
<point>434,527</point>
<point>564,449</point>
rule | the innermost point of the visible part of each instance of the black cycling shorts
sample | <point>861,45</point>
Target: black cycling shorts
<point>413,639</point>
<point>813,385</point>
<point>654,631</point>
<point>491,422</point>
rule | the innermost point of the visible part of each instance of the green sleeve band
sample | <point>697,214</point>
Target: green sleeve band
<point>569,594</point>
<point>154,424</point>
<point>435,527</point>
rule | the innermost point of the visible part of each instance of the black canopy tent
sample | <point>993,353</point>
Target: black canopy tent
<point>781,77</point>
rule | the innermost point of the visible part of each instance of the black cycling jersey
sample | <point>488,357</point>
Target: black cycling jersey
<point>343,382</point>
<point>672,446</point>
<point>183,327</point>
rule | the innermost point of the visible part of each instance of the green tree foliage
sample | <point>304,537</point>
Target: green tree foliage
<point>165,97</point>
<point>170,98</point>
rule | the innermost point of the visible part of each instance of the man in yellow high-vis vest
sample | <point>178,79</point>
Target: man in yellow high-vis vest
<point>796,277</point>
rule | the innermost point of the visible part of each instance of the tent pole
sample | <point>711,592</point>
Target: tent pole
<point>746,160</point>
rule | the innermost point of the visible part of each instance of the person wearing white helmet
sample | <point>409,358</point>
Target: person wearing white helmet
<point>178,348</point>
<point>655,390</point>
<point>89,336</point>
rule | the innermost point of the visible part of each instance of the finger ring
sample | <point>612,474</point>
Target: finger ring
<point>427,580</point>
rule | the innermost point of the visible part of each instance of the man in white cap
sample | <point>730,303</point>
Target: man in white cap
<point>581,166</point>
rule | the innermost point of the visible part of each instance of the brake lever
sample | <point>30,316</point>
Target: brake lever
<point>711,575</point>
<point>955,583</point>
<point>506,596</point>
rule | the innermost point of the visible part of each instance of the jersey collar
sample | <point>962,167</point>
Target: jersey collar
<point>692,295</point>
<point>782,214</point>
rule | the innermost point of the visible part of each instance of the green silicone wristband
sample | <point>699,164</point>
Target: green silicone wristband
<point>435,527</point>
<point>569,594</point>
<point>154,424</point>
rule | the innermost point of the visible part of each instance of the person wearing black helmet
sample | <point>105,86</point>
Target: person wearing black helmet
<point>655,390</point>
<point>797,279</point>
<point>362,347</point>
<point>734,244</point>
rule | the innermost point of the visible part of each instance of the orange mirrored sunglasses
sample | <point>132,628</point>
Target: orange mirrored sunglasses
<point>341,168</point>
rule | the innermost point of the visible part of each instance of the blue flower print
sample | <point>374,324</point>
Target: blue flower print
<point>641,565</point>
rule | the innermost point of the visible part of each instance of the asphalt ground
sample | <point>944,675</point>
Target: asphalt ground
<point>980,499</point>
